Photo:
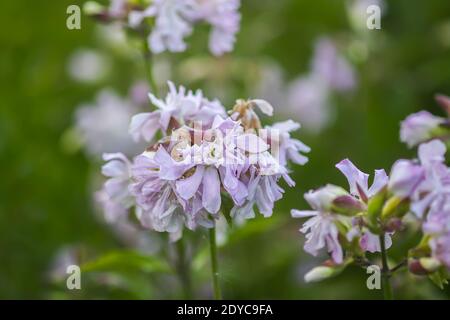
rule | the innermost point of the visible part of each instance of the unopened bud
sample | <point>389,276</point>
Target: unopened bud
<point>328,270</point>
<point>319,273</point>
<point>415,267</point>
<point>430,264</point>
<point>347,205</point>
<point>423,266</point>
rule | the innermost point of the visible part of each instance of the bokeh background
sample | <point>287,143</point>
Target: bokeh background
<point>47,212</point>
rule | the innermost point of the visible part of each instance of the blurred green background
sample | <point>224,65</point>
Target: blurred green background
<point>46,191</point>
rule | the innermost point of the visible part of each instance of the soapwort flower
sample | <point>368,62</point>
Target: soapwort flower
<point>203,155</point>
<point>167,23</point>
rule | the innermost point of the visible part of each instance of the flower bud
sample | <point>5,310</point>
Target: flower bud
<point>322,199</point>
<point>347,205</point>
<point>423,266</point>
<point>430,264</point>
<point>323,272</point>
<point>319,273</point>
<point>415,267</point>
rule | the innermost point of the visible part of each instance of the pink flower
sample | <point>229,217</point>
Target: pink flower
<point>321,230</point>
<point>418,127</point>
<point>358,180</point>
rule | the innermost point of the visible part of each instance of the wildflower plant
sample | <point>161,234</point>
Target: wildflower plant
<point>166,23</point>
<point>350,224</point>
<point>204,156</point>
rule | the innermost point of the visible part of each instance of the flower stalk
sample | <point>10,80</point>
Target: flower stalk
<point>184,269</point>
<point>148,58</point>
<point>214,264</point>
<point>385,273</point>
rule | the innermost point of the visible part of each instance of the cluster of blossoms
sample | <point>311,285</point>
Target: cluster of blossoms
<point>349,224</point>
<point>171,21</point>
<point>423,126</point>
<point>201,154</point>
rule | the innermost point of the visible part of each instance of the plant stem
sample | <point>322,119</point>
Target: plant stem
<point>385,273</point>
<point>214,263</point>
<point>402,264</point>
<point>148,59</point>
<point>184,270</point>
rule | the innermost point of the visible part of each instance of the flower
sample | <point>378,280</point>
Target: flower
<point>358,180</point>
<point>367,240</point>
<point>174,20</point>
<point>440,247</point>
<point>203,155</point>
<point>435,183</point>
<point>224,18</point>
<point>115,197</point>
<point>159,208</point>
<point>405,177</point>
<point>288,148</point>
<point>180,105</point>
<point>419,127</point>
<point>321,229</point>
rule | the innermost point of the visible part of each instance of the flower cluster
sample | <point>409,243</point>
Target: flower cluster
<point>349,224</point>
<point>172,21</point>
<point>203,153</point>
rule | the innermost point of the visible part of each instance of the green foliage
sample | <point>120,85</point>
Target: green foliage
<point>127,262</point>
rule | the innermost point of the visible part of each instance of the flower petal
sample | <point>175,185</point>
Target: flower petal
<point>211,199</point>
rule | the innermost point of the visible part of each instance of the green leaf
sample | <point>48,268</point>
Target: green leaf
<point>126,261</point>
<point>439,279</point>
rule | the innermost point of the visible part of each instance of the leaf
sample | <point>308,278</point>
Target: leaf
<point>126,261</point>
<point>438,279</point>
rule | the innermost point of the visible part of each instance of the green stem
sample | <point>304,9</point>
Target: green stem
<point>184,270</point>
<point>385,273</point>
<point>148,58</point>
<point>214,263</point>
